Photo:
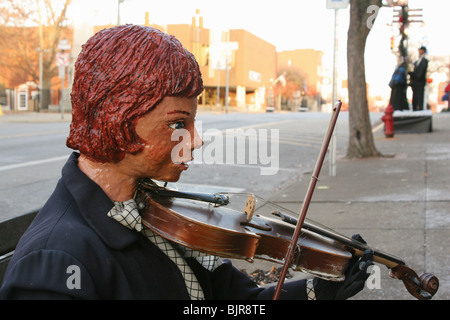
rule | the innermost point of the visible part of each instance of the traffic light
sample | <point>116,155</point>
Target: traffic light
<point>402,17</point>
<point>405,17</point>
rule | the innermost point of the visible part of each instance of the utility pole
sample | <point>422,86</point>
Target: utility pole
<point>227,72</point>
<point>41,56</point>
<point>118,11</point>
<point>229,47</point>
<point>336,6</point>
<point>403,15</point>
<point>332,169</point>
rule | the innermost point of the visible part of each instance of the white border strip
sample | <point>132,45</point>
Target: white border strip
<point>32,163</point>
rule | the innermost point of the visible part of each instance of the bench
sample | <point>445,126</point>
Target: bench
<point>10,232</point>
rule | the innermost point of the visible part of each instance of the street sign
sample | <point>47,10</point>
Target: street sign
<point>63,44</point>
<point>219,64</point>
<point>337,4</point>
<point>62,59</point>
<point>221,54</point>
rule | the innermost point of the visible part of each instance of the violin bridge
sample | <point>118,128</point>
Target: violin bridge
<point>250,206</point>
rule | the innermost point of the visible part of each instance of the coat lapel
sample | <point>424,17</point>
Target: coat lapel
<point>94,205</point>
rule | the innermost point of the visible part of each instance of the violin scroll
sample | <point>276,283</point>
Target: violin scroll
<point>422,288</point>
<point>429,282</point>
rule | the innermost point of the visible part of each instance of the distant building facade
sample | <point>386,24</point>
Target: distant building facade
<point>253,64</point>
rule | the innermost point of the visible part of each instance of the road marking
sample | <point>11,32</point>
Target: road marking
<point>378,127</point>
<point>245,166</point>
<point>43,133</point>
<point>216,132</point>
<point>206,188</point>
<point>296,140</point>
<point>32,163</point>
<point>292,143</point>
<point>54,159</point>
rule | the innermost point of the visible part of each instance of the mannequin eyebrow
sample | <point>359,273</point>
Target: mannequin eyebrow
<point>179,111</point>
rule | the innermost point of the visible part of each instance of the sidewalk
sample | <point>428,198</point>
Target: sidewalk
<point>43,116</point>
<point>399,204</point>
<point>66,116</point>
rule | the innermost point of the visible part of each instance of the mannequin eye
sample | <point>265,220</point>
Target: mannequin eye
<point>177,125</point>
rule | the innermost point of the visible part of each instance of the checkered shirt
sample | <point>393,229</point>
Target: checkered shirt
<point>127,214</point>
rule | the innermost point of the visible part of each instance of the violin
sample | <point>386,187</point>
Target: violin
<point>218,230</point>
<point>204,223</point>
<point>208,223</point>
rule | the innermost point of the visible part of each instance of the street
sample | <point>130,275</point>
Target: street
<point>33,153</point>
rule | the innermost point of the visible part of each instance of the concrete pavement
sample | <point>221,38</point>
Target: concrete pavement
<point>400,204</point>
<point>43,116</point>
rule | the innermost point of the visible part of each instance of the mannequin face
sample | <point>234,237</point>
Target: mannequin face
<point>173,115</point>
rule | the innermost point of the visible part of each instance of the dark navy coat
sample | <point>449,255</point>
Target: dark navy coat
<point>73,250</point>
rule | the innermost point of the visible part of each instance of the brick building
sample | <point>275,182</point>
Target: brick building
<point>253,64</point>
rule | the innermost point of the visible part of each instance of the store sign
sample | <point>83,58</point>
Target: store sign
<point>337,4</point>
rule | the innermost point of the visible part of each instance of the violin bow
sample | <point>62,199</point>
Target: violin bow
<point>307,200</point>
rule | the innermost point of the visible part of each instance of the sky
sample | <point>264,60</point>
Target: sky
<point>294,24</point>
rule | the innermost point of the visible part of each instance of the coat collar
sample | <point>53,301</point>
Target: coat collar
<point>94,204</point>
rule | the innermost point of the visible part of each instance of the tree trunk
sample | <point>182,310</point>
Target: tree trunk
<point>361,144</point>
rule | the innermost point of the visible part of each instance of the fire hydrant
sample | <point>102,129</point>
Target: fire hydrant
<point>388,120</point>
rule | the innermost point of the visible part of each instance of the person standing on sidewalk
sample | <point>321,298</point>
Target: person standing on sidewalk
<point>398,85</point>
<point>134,87</point>
<point>418,80</point>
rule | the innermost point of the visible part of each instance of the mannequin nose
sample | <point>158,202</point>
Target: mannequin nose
<point>197,142</point>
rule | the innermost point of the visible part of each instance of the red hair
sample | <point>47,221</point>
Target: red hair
<point>120,75</point>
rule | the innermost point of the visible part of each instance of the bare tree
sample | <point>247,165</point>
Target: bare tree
<point>294,82</point>
<point>29,27</point>
<point>362,16</point>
